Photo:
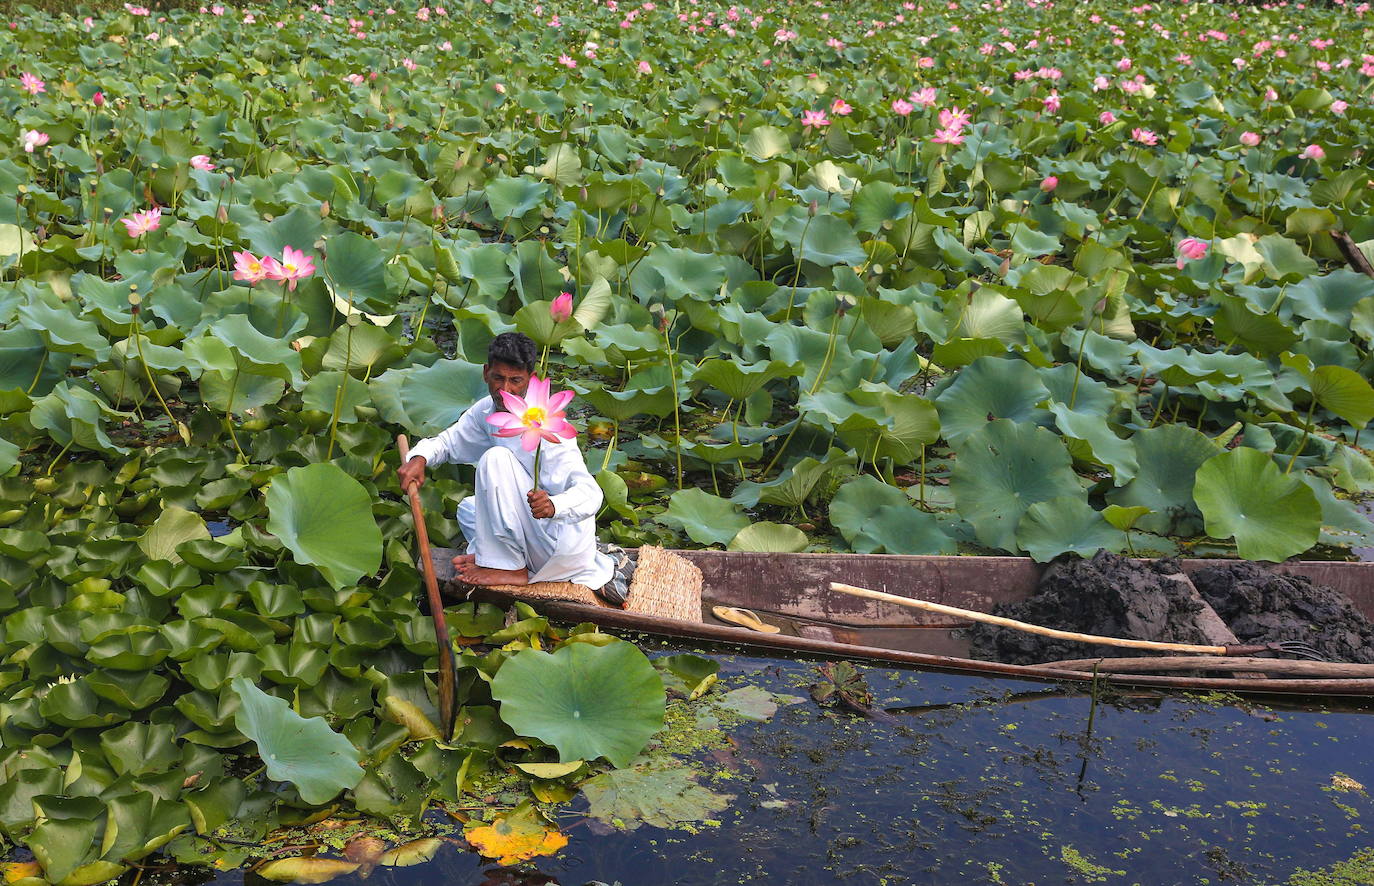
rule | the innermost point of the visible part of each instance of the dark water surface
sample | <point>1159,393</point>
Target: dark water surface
<point>982,781</point>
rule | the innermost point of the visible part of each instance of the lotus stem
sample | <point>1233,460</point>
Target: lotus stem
<point>677,405</point>
<point>229,414</point>
<point>152,383</point>
<point>1302,443</point>
<point>343,382</point>
<point>538,451</point>
<point>41,362</point>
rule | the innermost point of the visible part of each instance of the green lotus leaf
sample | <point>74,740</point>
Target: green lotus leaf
<point>433,397</point>
<point>129,651</point>
<point>825,239</point>
<point>257,353</point>
<point>1091,439</point>
<point>1124,518</point>
<point>561,166</point>
<point>1272,516</point>
<point>140,748</point>
<point>324,517</point>
<point>294,665</point>
<point>15,241</point>
<point>1066,524</point>
<point>877,518</point>
<point>535,320</point>
<point>130,690</point>
<point>659,795</point>
<point>172,527</point>
<point>740,381</point>
<point>1344,392</point>
<point>248,391</point>
<point>769,538</point>
<point>63,332</point>
<point>707,519</point>
<point>624,405</point>
<point>990,388</point>
<point>1168,458</point>
<point>695,674</point>
<point>74,704</point>
<point>1284,259</point>
<point>354,268</point>
<point>306,752</point>
<point>1003,469</point>
<point>908,424</point>
<point>210,555</point>
<point>795,485</point>
<point>74,416</point>
<point>515,197</point>
<point>680,273</point>
<point>63,845</point>
<point>587,701</point>
<point>766,142</point>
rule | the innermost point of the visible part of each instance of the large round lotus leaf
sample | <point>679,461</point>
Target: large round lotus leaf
<point>354,266</point>
<point>1066,525</point>
<point>877,518</point>
<point>1091,439</point>
<point>1168,458</point>
<point>707,519</point>
<point>1003,469</point>
<point>306,752</point>
<point>987,389</point>
<point>1272,515</point>
<point>324,517</point>
<point>434,397</point>
<point>769,538</point>
<point>738,381</point>
<point>587,701</point>
<point>1344,392</point>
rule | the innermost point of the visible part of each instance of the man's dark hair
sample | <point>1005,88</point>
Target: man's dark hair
<point>513,349</point>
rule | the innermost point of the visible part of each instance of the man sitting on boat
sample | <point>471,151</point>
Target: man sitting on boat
<point>517,534</point>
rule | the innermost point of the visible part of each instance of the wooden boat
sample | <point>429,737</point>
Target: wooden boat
<point>792,592</point>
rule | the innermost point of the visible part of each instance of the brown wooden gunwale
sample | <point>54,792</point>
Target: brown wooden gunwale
<point>796,586</point>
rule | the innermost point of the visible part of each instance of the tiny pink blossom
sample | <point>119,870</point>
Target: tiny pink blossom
<point>1191,249</point>
<point>567,61</point>
<point>1049,183</point>
<point>1106,117</point>
<point>1270,95</point>
<point>901,107</point>
<point>202,162</point>
<point>1145,136</point>
<point>841,108</point>
<point>814,118</point>
<point>1339,106</point>
<point>34,139</point>
<point>1312,152</point>
<point>141,223</point>
<point>1249,139</point>
<point>645,68</point>
<point>925,97</point>
<point>408,63</point>
<point>31,84</point>
<point>98,99</point>
<point>949,136</point>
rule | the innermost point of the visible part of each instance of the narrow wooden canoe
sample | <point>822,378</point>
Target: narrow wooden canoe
<point>792,592</point>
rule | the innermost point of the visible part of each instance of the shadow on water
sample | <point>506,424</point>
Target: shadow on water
<point>968,780</point>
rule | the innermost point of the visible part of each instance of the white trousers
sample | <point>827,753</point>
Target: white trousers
<point>503,534</point>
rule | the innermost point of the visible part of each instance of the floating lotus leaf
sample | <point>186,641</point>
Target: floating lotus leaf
<point>305,752</point>
<point>739,381</point>
<point>1066,524</point>
<point>661,796</point>
<point>172,527</point>
<point>353,267</point>
<point>325,518</point>
<point>877,518</point>
<point>706,518</point>
<point>1003,469</point>
<point>1243,494</point>
<point>587,701</point>
<point>988,389</point>
<point>517,836</point>
<point>770,538</point>
<point>1168,458</point>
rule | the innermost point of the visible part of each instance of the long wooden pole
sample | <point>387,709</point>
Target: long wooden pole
<point>448,688</point>
<point>1023,626</point>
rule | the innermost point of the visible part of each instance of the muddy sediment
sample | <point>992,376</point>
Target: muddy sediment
<point>1113,596</point>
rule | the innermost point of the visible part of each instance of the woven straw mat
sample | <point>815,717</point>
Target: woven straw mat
<point>665,585</point>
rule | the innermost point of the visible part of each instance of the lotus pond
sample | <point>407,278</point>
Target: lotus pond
<point>907,278</point>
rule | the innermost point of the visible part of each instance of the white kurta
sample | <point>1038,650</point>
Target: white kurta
<point>496,518</point>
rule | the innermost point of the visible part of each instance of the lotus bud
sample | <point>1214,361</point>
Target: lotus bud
<point>562,308</point>
<point>222,214</point>
<point>812,208</point>
<point>324,209</point>
<point>98,99</point>
<point>582,193</point>
<point>1049,183</point>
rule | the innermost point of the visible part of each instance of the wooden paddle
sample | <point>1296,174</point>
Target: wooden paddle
<point>447,674</point>
<point>1053,632</point>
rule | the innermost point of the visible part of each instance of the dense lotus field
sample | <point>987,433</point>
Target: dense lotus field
<point>1018,277</point>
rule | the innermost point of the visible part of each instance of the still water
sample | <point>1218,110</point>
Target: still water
<point>969,780</point>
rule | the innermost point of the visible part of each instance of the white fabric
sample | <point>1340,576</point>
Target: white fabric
<point>496,518</point>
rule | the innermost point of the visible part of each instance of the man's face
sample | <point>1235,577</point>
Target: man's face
<point>504,377</point>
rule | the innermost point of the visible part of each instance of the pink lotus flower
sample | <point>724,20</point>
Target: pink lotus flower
<point>1049,183</point>
<point>1144,136</point>
<point>294,266</point>
<point>949,136</point>
<point>645,68</point>
<point>954,118</point>
<point>923,97</point>
<point>1339,106</point>
<point>1191,249</point>
<point>249,268</point>
<point>1051,103</point>
<point>355,79</point>
<point>408,63</point>
<point>561,310</point>
<point>902,107</point>
<point>1312,152</point>
<point>98,99</point>
<point>141,223</point>
<point>841,108</point>
<point>31,84</point>
<point>535,417</point>
<point>1249,139</point>
<point>1270,95</point>
<point>814,118</point>
<point>202,162</point>
<point>567,62</point>
<point>33,139</point>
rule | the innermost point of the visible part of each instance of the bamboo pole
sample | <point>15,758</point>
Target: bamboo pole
<point>1166,663</point>
<point>1023,626</point>
<point>448,688</point>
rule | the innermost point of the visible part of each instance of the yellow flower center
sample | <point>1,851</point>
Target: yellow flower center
<point>534,415</point>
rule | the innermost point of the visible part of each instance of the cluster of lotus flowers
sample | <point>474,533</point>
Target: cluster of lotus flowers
<point>293,267</point>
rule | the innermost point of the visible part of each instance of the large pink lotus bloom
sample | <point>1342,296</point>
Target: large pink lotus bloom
<point>1312,152</point>
<point>567,61</point>
<point>949,136</point>
<point>1191,249</point>
<point>924,97</point>
<point>31,84</point>
<point>901,106</point>
<point>1106,118</point>
<point>814,118</point>
<point>535,417</point>
<point>141,223</point>
<point>1145,136</point>
<point>202,162</point>
<point>293,267</point>
<point>954,118</point>
<point>1249,139</point>
<point>34,139</point>
<point>562,308</point>
<point>1339,106</point>
<point>249,268</point>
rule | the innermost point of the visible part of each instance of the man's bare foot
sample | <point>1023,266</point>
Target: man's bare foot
<point>481,575</point>
<point>463,560</point>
